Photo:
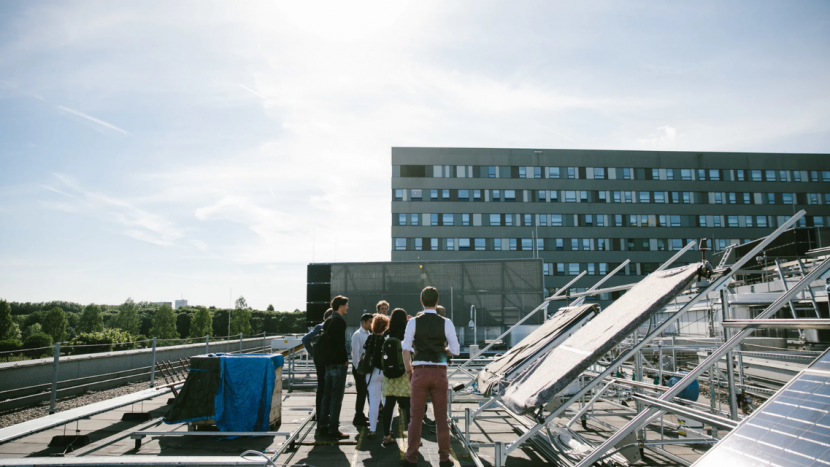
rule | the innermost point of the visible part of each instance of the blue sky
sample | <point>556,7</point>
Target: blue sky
<point>162,149</point>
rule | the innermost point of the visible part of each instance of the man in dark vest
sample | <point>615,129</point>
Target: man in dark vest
<point>428,341</point>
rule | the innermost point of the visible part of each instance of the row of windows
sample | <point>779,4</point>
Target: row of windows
<point>548,244</point>
<point>584,196</point>
<point>599,220</point>
<point>592,269</point>
<point>609,173</point>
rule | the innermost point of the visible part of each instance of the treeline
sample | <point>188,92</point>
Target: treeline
<point>107,327</point>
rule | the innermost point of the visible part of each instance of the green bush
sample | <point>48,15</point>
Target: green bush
<point>38,340</point>
<point>9,345</point>
<point>103,341</point>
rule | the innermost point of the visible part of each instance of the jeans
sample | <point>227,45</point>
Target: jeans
<point>432,382</point>
<point>375,384</point>
<point>333,396</point>
<point>362,393</point>
<point>321,389</point>
<point>389,412</point>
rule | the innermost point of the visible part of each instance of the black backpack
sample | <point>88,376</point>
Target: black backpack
<point>322,345</point>
<point>370,358</point>
<point>393,366</point>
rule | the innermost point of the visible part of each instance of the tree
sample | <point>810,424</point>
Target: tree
<point>55,324</point>
<point>91,319</point>
<point>103,341</point>
<point>38,340</point>
<point>270,308</point>
<point>241,304</point>
<point>201,324</point>
<point>7,324</point>
<point>164,323</point>
<point>127,319</point>
<point>241,321</point>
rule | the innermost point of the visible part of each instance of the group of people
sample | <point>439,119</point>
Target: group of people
<point>397,360</point>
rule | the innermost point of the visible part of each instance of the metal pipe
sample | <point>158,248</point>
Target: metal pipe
<point>55,363</point>
<point>153,366</point>
<point>581,299</point>
<point>799,323</point>
<point>713,420</point>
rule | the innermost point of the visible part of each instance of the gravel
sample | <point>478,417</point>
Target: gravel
<point>13,417</point>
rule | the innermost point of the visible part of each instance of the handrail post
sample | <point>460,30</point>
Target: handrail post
<point>240,342</point>
<point>153,366</point>
<point>207,344</point>
<point>55,364</point>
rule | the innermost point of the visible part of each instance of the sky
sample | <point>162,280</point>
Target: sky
<point>159,150</point>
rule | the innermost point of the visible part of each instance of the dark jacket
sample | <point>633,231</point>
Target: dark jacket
<point>336,329</point>
<point>310,337</point>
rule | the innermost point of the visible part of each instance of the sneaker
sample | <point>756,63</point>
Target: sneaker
<point>338,435</point>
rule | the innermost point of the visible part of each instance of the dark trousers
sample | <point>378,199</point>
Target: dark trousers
<point>321,389</point>
<point>362,393</point>
<point>333,397</point>
<point>430,382</point>
<point>389,412</point>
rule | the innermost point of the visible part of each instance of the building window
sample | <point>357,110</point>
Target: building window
<point>583,196</point>
<point>586,244</point>
<point>570,196</point>
<point>560,244</point>
<point>556,220</point>
<point>675,221</point>
<point>655,174</point>
<point>796,175</point>
<point>571,172</point>
<point>718,198</point>
<point>401,219</point>
<point>627,197</point>
<point>398,195</point>
<point>733,198</point>
<point>546,269</point>
<point>787,198</point>
<point>527,244</point>
<point>591,270</point>
<point>644,197</point>
<point>433,219</point>
<point>433,195</point>
<point>818,221</point>
<point>827,198</point>
<point>495,219</point>
<point>513,246</point>
<point>491,172</point>
<point>414,218</point>
<point>528,220</point>
<point>496,195</point>
<point>601,197</point>
<point>617,197</point>
<point>445,194</point>
<point>761,221</point>
<point>465,219</point>
<point>687,197</point>
<point>554,196</point>
<point>510,195</point>
<point>447,219</point>
<point>770,175</point>
<point>476,195</point>
<point>676,244</point>
<point>553,172</point>
<point>479,244</point>
<point>543,220</point>
<point>626,174</point>
<point>825,175</point>
<point>661,244</point>
<point>770,198</point>
<point>600,220</point>
<point>714,174</point>
<point>574,244</point>
<point>450,244</point>
<point>589,220</point>
<point>601,244</point>
<point>537,172</point>
<point>633,220</point>
<point>497,244</point>
<point>659,197</point>
<point>661,221</point>
<point>603,269</point>
<point>669,174</point>
<point>560,269</point>
<point>599,173</point>
<point>463,195</point>
<point>685,174</point>
<point>400,244</point>
<point>716,221</point>
<point>573,269</point>
<point>814,175</point>
<point>508,220</point>
<point>756,175</point>
<point>618,220</point>
<point>419,244</point>
<point>732,221</point>
<point>748,221</point>
<point>701,174</point>
<point>415,195</point>
<point>522,172</point>
<point>812,198</point>
<point>464,244</point>
<point>701,221</point>
<point>541,196</point>
<point>747,198</point>
<point>782,175</point>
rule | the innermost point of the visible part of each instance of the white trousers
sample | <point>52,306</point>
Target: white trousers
<point>374,381</point>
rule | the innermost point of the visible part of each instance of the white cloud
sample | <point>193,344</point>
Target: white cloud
<point>666,140</point>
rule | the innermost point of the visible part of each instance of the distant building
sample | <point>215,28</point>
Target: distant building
<point>163,303</point>
<point>180,304</point>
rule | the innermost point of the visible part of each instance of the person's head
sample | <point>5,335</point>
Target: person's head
<point>327,314</point>
<point>441,311</point>
<point>429,297</point>
<point>380,323</point>
<point>397,322</point>
<point>382,307</point>
<point>366,321</point>
<point>340,304</point>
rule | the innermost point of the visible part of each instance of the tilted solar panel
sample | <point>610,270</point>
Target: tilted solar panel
<point>791,429</point>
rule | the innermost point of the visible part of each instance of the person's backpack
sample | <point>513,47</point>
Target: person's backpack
<point>368,359</point>
<point>393,366</point>
<point>322,346</point>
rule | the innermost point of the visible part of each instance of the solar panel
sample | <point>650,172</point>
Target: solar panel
<point>791,429</point>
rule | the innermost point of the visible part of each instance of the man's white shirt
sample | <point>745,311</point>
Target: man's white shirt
<point>449,333</point>
<point>358,339</point>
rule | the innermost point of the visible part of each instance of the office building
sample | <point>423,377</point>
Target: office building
<point>590,210</point>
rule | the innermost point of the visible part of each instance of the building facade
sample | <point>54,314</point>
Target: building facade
<point>590,210</point>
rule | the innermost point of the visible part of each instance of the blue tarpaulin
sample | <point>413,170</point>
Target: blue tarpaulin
<point>243,398</point>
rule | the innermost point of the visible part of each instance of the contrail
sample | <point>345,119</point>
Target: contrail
<point>556,132</point>
<point>252,91</point>
<point>100,122</point>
